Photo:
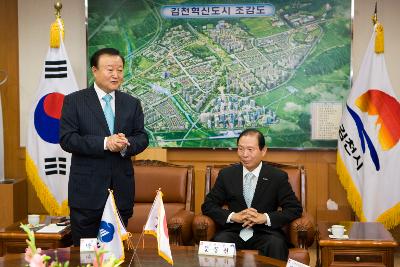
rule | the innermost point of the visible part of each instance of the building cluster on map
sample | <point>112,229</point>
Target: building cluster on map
<point>195,84</point>
<point>233,112</point>
<point>298,19</point>
<point>232,39</point>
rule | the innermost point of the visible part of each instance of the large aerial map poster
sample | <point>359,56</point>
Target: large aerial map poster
<point>204,71</point>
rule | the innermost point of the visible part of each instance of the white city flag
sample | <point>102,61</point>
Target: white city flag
<point>112,231</point>
<point>47,164</point>
<point>368,144</point>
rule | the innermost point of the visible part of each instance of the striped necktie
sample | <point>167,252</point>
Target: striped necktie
<point>108,113</point>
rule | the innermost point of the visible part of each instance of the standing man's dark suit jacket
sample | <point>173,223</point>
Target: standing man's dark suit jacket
<point>272,191</point>
<point>83,128</point>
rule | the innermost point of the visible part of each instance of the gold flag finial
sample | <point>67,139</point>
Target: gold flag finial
<point>375,15</point>
<point>379,37</point>
<point>57,27</point>
<point>58,7</point>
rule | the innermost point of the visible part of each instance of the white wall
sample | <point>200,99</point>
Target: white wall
<point>35,17</point>
<point>388,15</point>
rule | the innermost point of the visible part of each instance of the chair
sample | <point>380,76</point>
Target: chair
<point>177,184</point>
<point>299,232</point>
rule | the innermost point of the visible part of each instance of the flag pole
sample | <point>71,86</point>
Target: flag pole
<point>142,234</point>
<point>375,15</point>
<point>58,7</point>
<point>57,27</point>
<point>379,39</point>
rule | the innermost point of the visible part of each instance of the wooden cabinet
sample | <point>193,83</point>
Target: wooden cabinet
<point>368,244</point>
<point>12,238</point>
<point>361,257</point>
<point>13,206</point>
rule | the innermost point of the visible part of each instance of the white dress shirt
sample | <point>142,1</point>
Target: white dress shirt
<point>100,94</point>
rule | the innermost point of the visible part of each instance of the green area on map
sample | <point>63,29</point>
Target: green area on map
<point>202,81</point>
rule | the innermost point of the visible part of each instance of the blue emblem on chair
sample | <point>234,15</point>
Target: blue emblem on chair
<point>106,232</point>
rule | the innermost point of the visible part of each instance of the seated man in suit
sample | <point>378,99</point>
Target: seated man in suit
<point>253,191</point>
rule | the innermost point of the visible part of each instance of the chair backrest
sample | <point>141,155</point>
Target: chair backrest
<point>296,173</point>
<point>175,181</point>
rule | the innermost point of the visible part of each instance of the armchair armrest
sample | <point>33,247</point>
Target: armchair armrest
<point>302,231</point>
<point>180,227</point>
<point>203,227</point>
<point>300,255</point>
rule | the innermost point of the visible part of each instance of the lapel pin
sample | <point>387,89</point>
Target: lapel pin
<point>265,178</point>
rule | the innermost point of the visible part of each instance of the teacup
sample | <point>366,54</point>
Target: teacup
<point>337,230</point>
<point>33,219</point>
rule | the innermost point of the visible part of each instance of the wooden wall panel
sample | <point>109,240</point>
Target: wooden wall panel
<point>317,181</point>
<point>336,190</point>
<point>12,196</point>
<point>322,181</point>
<point>10,90</point>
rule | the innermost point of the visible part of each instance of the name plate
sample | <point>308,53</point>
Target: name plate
<point>88,244</point>
<point>217,249</point>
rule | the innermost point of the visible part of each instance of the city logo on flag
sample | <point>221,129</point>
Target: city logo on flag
<point>387,108</point>
<point>378,103</point>
<point>106,232</point>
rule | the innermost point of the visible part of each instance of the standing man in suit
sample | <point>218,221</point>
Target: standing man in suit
<point>102,128</point>
<point>253,191</point>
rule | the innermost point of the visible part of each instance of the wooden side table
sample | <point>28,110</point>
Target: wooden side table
<point>12,238</point>
<point>13,204</point>
<point>369,244</point>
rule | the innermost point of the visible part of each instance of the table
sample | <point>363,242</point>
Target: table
<point>12,238</point>
<point>182,256</point>
<point>369,244</point>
